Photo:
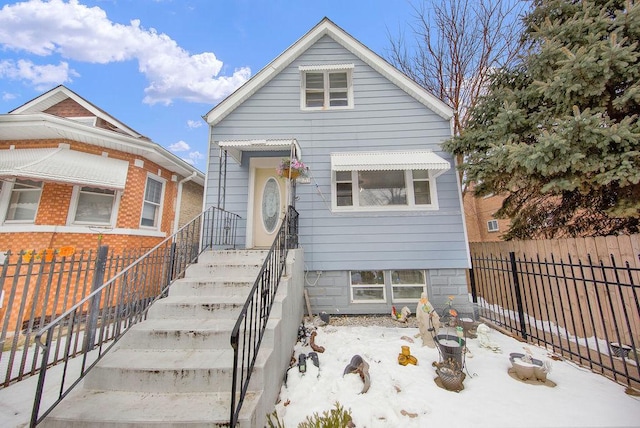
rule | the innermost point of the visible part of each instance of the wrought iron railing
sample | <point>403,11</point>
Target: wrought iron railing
<point>248,332</point>
<point>583,310</point>
<point>92,326</point>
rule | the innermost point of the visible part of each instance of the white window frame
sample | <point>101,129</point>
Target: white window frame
<point>5,201</point>
<point>423,286</point>
<point>326,89</point>
<point>353,287</point>
<point>75,199</point>
<point>163,182</point>
<point>410,206</point>
<point>492,225</point>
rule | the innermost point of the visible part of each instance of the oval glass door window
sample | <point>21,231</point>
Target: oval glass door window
<point>270,205</point>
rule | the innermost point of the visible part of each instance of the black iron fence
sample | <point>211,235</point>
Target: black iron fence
<point>247,334</point>
<point>90,327</point>
<point>582,310</point>
<point>37,290</point>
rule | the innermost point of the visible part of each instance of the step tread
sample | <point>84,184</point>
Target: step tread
<point>203,300</point>
<point>185,324</point>
<point>148,407</point>
<point>216,280</point>
<point>167,359</point>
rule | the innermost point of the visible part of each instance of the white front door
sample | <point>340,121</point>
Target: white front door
<point>269,203</point>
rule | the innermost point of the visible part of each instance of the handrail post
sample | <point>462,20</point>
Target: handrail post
<point>41,379</point>
<point>94,307</point>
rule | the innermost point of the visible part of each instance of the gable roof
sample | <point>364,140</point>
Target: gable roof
<point>30,122</point>
<point>61,93</point>
<point>327,28</point>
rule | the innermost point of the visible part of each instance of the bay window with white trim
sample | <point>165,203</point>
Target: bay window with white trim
<point>152,204</point>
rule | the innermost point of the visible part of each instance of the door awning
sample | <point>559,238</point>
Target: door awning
<point>236,147</point>
<point>60,164</point>
<point>388,161</point>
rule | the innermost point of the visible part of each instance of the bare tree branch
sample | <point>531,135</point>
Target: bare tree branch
<point>455,45</point>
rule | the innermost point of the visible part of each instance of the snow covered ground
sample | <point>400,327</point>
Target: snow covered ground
<point>407,396</point>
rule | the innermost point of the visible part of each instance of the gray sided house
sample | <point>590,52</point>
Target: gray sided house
<point>381,216</point>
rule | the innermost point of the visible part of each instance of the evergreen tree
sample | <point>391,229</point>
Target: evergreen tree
<point>559,132</point>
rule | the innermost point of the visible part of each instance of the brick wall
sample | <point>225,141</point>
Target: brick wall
<point>56,199</point>
<point>191,205</point>
<point>68,108</point>
<point>477,212</point>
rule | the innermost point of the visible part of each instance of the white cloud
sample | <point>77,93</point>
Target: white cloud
<point>193,158</point>
<point>194,124</point>
<point>6,96</point>
<point>81,33</point>
<point>41,76</point>
<point>180,146</point>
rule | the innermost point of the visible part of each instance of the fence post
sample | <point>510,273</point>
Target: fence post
<point>94,307</point>
<point>516,286</point>
<point>472,281</point>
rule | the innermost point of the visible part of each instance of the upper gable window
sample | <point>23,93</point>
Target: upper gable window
<point>326,87</point>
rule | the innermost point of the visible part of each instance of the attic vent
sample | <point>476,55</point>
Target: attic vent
<point>85,120</point>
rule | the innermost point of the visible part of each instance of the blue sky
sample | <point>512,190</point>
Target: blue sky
<point>160,65</point>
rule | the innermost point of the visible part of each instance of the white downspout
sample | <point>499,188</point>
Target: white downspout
<point>179,200</point>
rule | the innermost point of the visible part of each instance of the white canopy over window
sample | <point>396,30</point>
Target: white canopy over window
<point>60,164</point>
<point>388,161</point>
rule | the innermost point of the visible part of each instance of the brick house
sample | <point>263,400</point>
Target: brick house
<point>71,175</point>
<point>479,212</point>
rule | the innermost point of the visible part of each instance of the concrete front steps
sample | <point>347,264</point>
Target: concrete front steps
<point>174,369</point>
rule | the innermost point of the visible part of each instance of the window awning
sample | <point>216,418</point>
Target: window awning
<point>63,165</point>
<point>388,161</point>
<point>236,147</point>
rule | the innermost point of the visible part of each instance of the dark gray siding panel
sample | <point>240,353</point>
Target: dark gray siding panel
<point>384,118</point>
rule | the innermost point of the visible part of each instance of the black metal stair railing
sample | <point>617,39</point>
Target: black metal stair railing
<point>248,332</point>
<point>93,325</point>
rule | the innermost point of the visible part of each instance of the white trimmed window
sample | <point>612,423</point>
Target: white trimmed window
<point>94,206</point>
<point>492,226</point>
<point>326,87</point>
<point>383,190</point>
<point>385,181</point>
<point>367,286</point>
<point>21,201</point>
<point>407,285</point>
<point>152,205</point>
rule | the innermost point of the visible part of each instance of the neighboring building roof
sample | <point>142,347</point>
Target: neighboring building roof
<point>327,28</point>
<point>64,165</point>
<point>29,122</point>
